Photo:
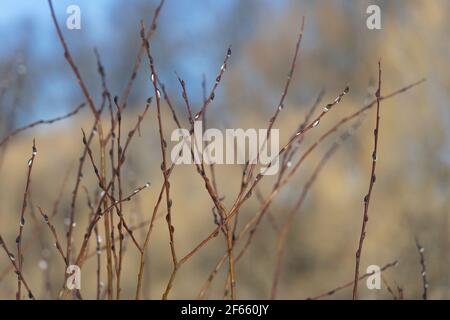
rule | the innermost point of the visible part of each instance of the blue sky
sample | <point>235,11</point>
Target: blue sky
<point>28,23</point>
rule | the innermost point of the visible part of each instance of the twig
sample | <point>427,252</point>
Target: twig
<point>148,36</point>
<point>169,171</point>
<point>163,149</point>
<point>211,276</point>
<point>186,100</point>
<point>16,267</point>
<point>133,228</point>
<point>81,255</point>
<point>38,229</point>
<point>349,284</point>
<point>212,190</point>
<point>298,135</point>
<point>295,137</point>
<point>248,194</point>
<point>212,94</point>
<point>98,240</point>
<point>388,287</point>
<point>137,63</point>
<point>72,64</point>
<point>96,114</point>
<point>54,233</point>
<point>371,183</point>
<point>128,198</point>
<point>39,122</point>
<point>119,183</point>
<point>22,219</point>
<point>280,106</point>
<point>289,220</point>
<point>115,202</point>
<point>239,202</point>
<point>287,157</point>
<point>423,272</point>
<point>400,292</point>
<point>270,198</point>
<point>82,159</point>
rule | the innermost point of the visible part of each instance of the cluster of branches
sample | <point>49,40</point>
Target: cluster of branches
<point>106,208</point>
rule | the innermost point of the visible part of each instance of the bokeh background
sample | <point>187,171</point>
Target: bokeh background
<point>411,195</point>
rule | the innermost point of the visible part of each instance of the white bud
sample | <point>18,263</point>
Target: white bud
<point>43,265</point>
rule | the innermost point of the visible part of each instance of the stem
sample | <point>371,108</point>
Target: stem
<point>371,183</point>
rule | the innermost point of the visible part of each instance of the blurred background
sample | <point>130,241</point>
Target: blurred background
<point>411,195</point>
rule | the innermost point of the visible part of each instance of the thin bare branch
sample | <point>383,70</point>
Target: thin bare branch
<point>371,183</point>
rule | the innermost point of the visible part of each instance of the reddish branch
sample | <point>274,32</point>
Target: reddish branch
<point>78,182</point>
<point>371,183</point>
<point>72,64</point>
<point>16,267</point>
<point>350,283</point>
<point>39,122</point>
<point>290,219</point>
<point>22,219</point>
<point>248,172</point>
<point>423,272</point>
<point>124,97</point>
<point>169,171</point>
<point>54,234</point>
<point>252,223</point>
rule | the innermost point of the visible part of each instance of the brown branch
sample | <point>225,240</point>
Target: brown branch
<point>133,228</point>
<point>280,106</point>
<point>400,292</point>
<point>22,219</point>
<point>98,239</point>
<point>350,283</point>
<point>169,171</point>
<point>38,229</point>
<point>289,154</point>
<point>256,219</point>
<point>119,183</point>
<point>423,272</point>
<point>212,94</point>
<point>77,185</point>
<point>124,97</point>
<point>54,233</point>
<point>98,214</point>
<point>371,183</point>
<point>234,210</point>
<point>163,144</point>
<point>388,288</point>
<point>16,267</point>
<point>186,99</point>
<point>39,122</point>
<point>137,63</point>
<point>281,182</point>
<point>212,190</point>
<point>115,202</point>
<point>81,255</point>
<point>295,137</point>
<point>289,220</point>
<point>128,198</point>
<point>72,64</point>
